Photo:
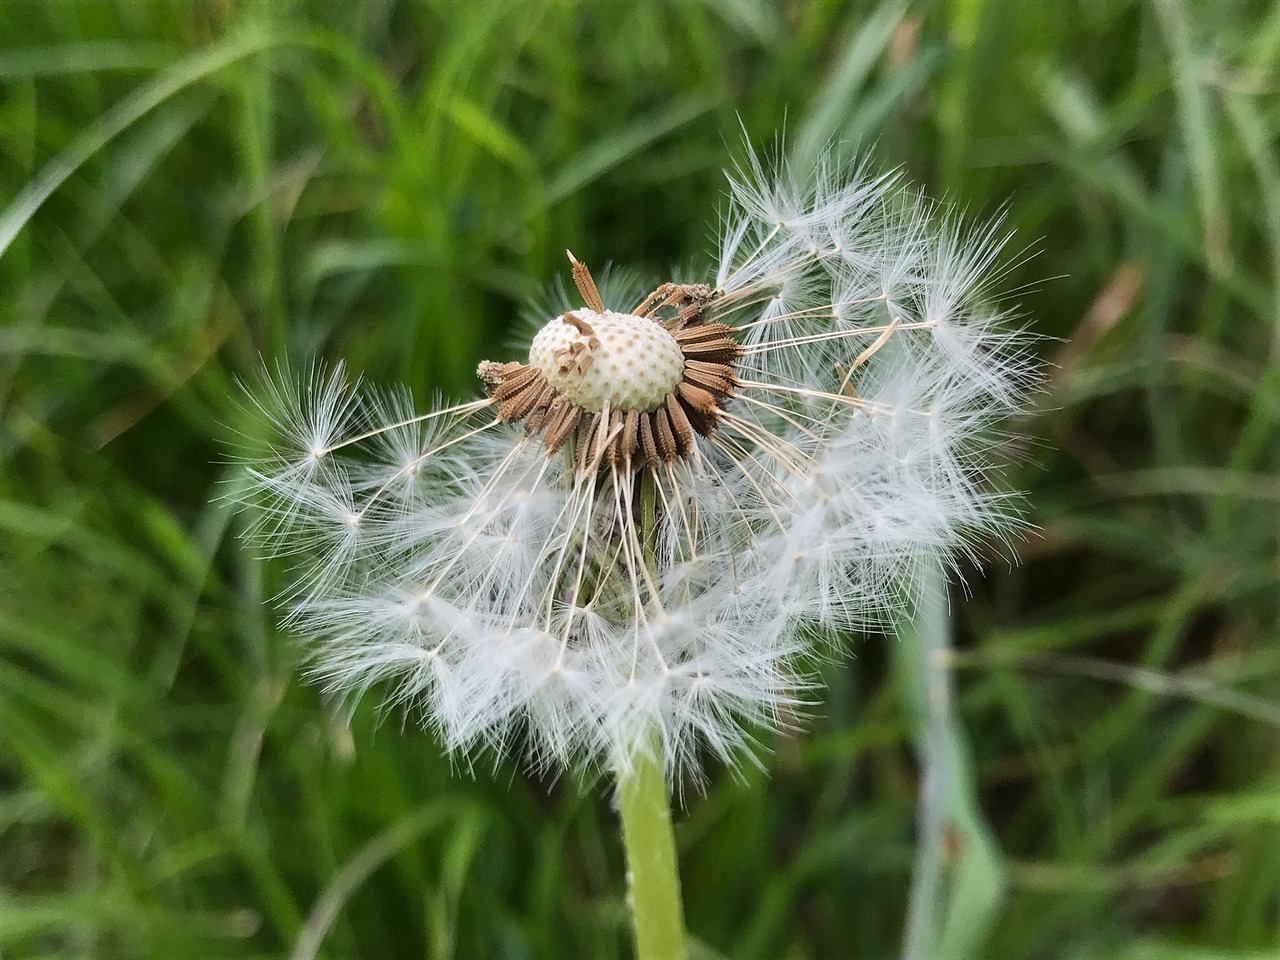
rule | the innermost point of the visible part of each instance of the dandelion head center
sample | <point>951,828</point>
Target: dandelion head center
<point>631,362</point>
<point>622,388</point>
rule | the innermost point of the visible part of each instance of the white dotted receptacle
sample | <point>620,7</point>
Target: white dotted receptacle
<point>632,362</point>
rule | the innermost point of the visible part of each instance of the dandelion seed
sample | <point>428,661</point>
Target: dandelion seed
<point>642,525</point>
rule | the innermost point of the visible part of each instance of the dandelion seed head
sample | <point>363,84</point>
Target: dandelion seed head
<point>649,519</point>
<point>629,362</point>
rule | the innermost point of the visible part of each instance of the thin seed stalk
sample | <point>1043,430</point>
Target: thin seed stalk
<point>653,878</point>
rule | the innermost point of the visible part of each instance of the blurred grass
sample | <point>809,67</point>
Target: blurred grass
<point>188,188</point>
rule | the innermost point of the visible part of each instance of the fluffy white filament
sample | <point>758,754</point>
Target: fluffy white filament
<point>447,560</point>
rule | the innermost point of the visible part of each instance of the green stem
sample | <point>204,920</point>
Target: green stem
<point>651,857</point>
<point>652,876</point>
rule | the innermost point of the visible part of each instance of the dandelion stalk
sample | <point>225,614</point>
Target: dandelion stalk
<point>653,879</point>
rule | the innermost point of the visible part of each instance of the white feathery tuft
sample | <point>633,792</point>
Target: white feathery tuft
<point>502,593</point>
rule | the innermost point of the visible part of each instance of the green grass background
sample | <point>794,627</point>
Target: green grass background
<point>188,187</point>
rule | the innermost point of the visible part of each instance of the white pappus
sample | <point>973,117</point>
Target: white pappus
<point>637,533</point>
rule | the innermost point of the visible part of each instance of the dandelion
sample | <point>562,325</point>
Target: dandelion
<point>626,552</point>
